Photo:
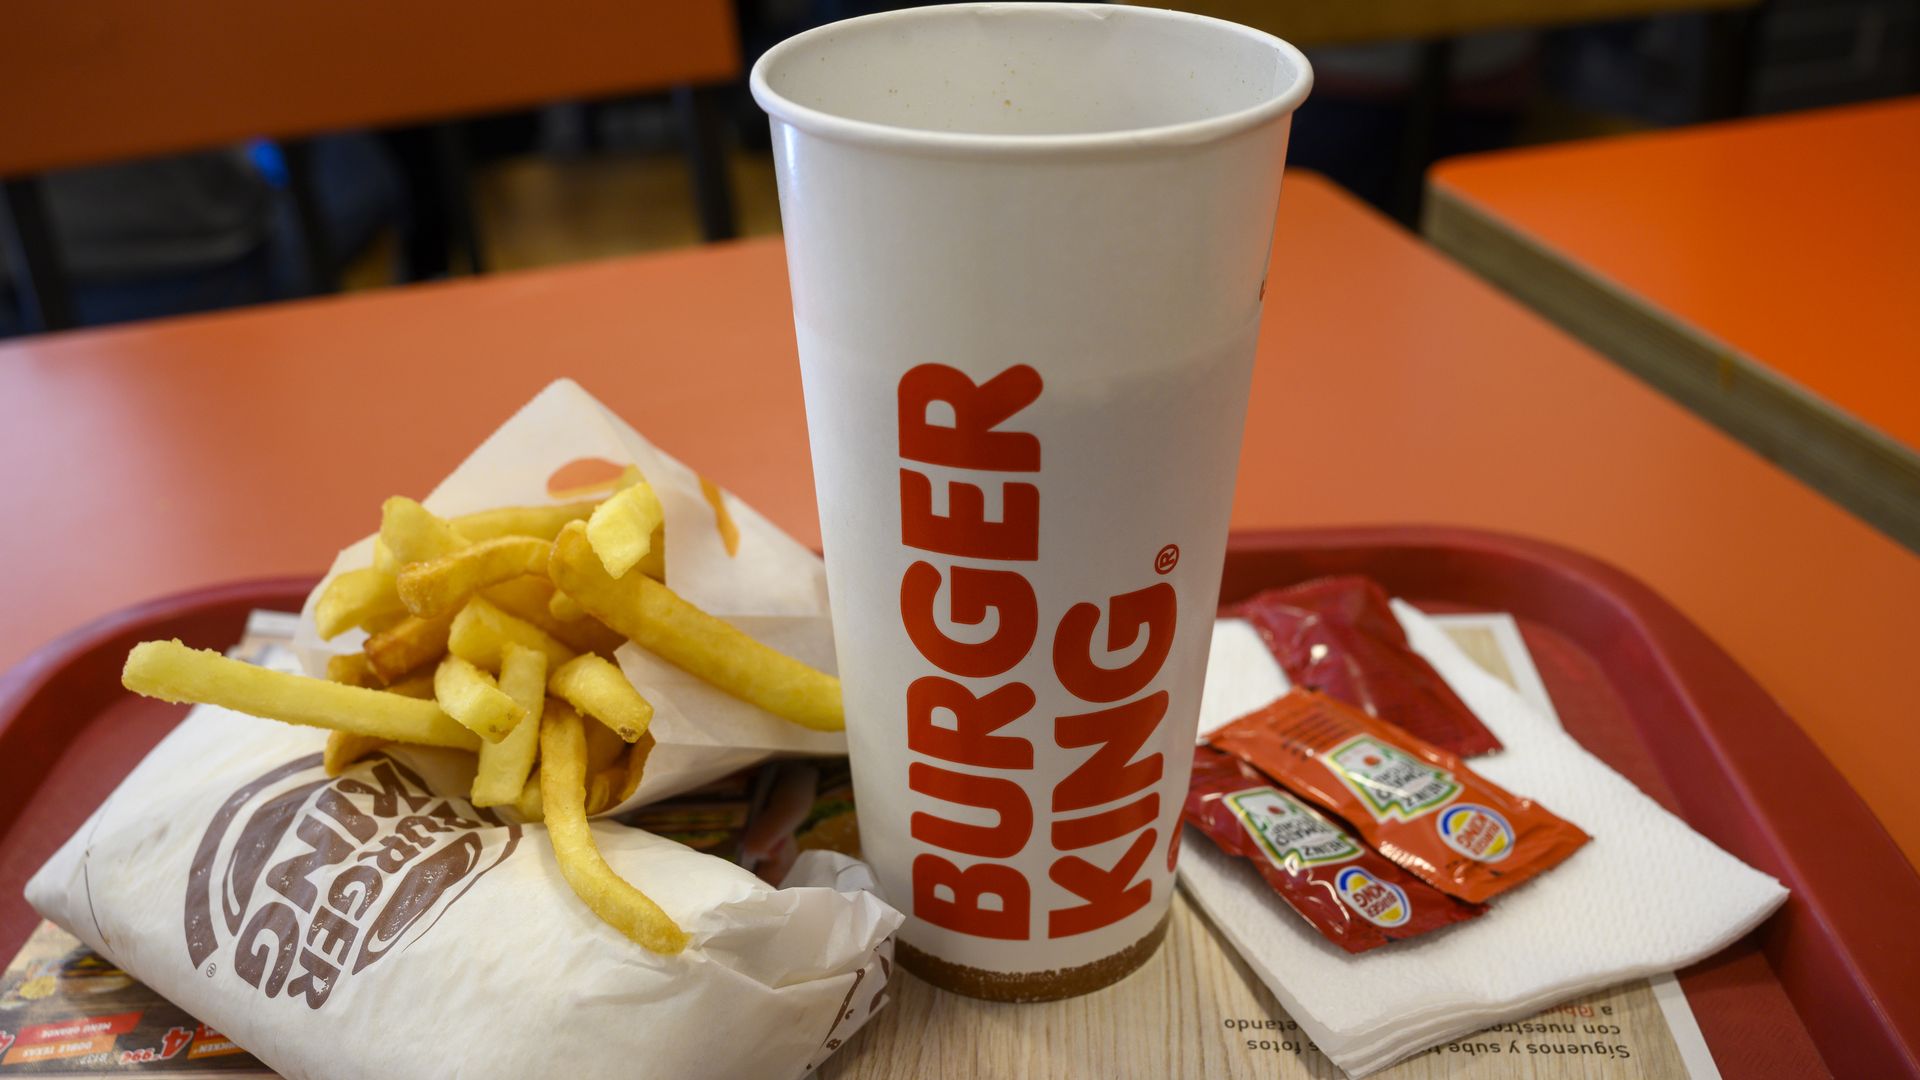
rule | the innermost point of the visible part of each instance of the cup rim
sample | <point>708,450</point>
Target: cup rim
<point>1133,140</point>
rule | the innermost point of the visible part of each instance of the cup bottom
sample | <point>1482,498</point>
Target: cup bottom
<point>1032,985</point>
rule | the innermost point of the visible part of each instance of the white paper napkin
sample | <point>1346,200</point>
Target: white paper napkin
<point>1646,895</point>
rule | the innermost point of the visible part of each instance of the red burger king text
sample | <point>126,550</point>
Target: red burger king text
<point>948,421</point>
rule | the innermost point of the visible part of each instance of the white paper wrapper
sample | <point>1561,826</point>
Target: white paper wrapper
<point>333,936</point>
<point>771,587</point>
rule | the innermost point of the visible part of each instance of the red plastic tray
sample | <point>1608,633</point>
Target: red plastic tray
<point>1828,985</point>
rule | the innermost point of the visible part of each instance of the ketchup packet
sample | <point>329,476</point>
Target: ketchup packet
<point>1355,898</point>
<point>1415,803</point>
<point>1338,635</point>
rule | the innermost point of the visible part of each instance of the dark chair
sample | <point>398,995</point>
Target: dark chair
<point>110,80</point>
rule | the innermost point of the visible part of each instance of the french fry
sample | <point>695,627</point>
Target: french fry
<point>170,671</point>
<point>384,559</point>
<point>470,696</point>
<point>563,796</point>
<point>441,585</point>
<point>621,528</point>
<point>384,621</point>
<point>530,592</point>
<point>482,630</point>
<point>352,669</point>
<point>595,686</point>
<point>530,598</point>
<point>344,748</point>
<point>565,608</point>
<point>528,804</point>
<point>655,563</point>
<point>352,598</point>
<point>412,533</point>
<point>505,765</point>
<point>657,619</point>
<point>540,522</point>
<point>599,790</point>
<point>604,748</point>
<point>417,685</point>
<point>611,783</point>
<point>635,766</point>
<point>413,643</point>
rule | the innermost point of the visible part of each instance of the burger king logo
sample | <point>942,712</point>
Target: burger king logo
<point>1381,903</point>
<point>302,881</point>
<point>1476,832</point>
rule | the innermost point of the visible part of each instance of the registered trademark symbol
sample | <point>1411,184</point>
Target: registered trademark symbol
<point>1168,558</point>
<point>210,970</point>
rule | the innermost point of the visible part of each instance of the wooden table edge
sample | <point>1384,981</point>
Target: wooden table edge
<point>1857,466</point>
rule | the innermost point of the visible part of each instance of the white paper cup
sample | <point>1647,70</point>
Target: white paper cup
<point>1027,245</point>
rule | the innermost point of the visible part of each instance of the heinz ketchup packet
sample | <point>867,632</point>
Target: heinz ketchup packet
<point>1338,635</point>
<point>1417,804</point>
<point>1599,919</point>
<point>1354,897</point>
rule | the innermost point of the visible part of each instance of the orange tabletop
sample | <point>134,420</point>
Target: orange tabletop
<point>1766,272</point>
<point>1391,387</point>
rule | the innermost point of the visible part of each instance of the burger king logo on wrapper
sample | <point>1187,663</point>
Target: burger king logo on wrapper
<point>1381,903</point>
<point>302,881</point>
<point>1476,832</point>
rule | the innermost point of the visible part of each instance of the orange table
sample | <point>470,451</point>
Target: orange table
<point>1764,273</point>
<point>1391,387</point>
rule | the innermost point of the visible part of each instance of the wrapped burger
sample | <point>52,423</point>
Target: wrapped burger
<point>363,925</point>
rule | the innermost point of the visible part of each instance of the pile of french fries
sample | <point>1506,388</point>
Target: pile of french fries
<point>494,633</point>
